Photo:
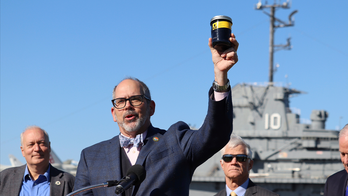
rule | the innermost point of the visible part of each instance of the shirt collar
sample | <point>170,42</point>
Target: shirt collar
<point>142,136</point>
<point>47,174</point>
<point>239,190</point>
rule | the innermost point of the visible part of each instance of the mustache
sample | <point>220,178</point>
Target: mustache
<point>130,112</point>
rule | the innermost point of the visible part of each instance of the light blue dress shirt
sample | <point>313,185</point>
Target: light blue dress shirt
<point>240,191</point>
<point>39,187</point>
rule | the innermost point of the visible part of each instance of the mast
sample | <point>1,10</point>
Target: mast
<point>273,26</point>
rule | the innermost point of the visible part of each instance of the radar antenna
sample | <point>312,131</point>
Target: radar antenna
<point>273,25</point>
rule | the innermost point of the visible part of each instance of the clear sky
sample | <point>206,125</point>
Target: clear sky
<point>61,59</point>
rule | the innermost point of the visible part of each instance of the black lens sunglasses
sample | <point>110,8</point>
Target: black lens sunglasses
<point>239,157</point>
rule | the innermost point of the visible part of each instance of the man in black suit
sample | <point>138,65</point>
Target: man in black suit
<point>236,162</point>
<point>336,184</point>
<point>38,176</point>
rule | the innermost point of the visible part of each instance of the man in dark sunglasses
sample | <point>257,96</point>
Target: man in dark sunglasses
<point>236,163</point>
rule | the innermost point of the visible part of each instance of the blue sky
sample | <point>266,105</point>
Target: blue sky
<point>61,59</point>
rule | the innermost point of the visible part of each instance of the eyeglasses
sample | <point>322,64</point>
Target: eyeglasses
<point>239,157</point>
<point>136,100</point>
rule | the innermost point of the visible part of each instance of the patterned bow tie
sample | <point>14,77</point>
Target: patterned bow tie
<point>126,142</point>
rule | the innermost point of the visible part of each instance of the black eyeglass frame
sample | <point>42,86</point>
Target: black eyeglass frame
<point>130,101</point>
<point>239,157</point>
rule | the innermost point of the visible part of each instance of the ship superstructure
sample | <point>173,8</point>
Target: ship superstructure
<point>290,157</point>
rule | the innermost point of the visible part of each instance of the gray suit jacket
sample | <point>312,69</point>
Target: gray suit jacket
<point>62,183</point>
<point>252,190</point>
<point>169,157</point>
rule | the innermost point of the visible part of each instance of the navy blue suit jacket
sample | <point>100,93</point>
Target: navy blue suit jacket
<point>336,184</point>
<point>169,162</point>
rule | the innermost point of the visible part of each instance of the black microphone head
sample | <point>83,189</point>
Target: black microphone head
<point>139,171</point>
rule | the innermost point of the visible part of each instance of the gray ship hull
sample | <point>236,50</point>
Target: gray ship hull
<point>290,158</point>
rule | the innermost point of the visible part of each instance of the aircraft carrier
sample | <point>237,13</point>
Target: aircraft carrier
<point>290,157</point>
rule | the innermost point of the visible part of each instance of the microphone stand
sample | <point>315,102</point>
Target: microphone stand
<point>104,184</point>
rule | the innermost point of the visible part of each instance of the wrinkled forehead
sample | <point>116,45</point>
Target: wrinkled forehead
<point>128,88</point>
<point>343,144</point>
<point>239,149</point>
<point>33,135</point>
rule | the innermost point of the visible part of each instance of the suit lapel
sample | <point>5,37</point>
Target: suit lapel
<point>344,185</point>
<point>56,184</point>
<point>339,184</point>
<point>152,138</point>
<point>222,193</point>
<point>251,190</point>
<point>113,154</point>
<point>17,179</point>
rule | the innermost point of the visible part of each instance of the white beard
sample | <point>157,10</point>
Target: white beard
<point>136,124</point>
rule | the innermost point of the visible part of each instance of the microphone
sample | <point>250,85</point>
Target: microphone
<point>135,175</point>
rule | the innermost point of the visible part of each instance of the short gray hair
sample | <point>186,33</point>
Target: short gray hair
<point>144,88</point>
<point>236,140</point>
<point>35,127</point>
